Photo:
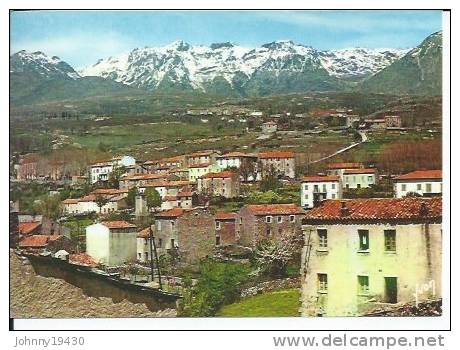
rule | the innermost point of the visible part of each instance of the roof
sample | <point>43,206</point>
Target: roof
<point>109,191</point>
<point>37,241</point>
<point>101,164</point>
<point>167,184</point>
<point>344,165</point>
<point>170,198</point>
<point>274,209</point>
<point>269,123</point>
<point>221,174</point>
<point>200,165</point>
<point>175,212</point>
<point>202,153</point>
<point>71,201</point>
<point>320,178</point>
<point>376,209</point>
<point>82,259</point>
<point>143,176</point>
<point>421,175</point>
<point>237,155</point>
<point>185,193</point>
<point>359,171</point>
<point>276,154</point>
<point>118,224</point>
<point>225,216</point>
<point>27,227</point>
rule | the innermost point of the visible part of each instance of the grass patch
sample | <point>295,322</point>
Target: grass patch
<point>280,303</point>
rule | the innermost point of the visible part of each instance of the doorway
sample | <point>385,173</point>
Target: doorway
<point>391,290</point>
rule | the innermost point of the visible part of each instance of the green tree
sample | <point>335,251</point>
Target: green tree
<point>153,198</point>
<point>50,207</point>
<point>100,201</point>
<point>114,177</point>
<point>219,283</point>
<point>131,197</point>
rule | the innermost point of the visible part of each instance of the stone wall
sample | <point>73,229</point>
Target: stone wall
<point>269,286</point>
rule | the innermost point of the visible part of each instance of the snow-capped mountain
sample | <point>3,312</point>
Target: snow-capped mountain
<point>39,63</point>
<point>359,62</point>
<point>198,66</point>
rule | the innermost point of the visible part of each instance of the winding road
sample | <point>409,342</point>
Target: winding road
<point>353,145</point>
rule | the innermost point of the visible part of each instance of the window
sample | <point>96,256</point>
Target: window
<point>172,224</point>
<point>363,284</point>
<point>292,218</point>
<point>322,282</point>
<point>217,240</point>
<point>268,232</point>
<point>324,187</point>
<point>428,188</point>
<point>145,241</point>
<point>217,225</point>
<point>369,179</point>
<point>306,187</point>
<point>363,239</point>
<point>140,256</point>
<point>419,187</point>
<point>146,255</point>
<point>333,186</point>
<point>390,240</point>
<point>279,219</point>
<point>268,219</point>
<point>403,187</point>
<point>306,195</point>
<point>322,238</point>
<point>172,243</point>
<point>160,242</point>
<point>333,196</point>
<point>315,188</point>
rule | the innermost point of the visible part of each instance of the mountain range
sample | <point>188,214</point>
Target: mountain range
<point>227,69</point>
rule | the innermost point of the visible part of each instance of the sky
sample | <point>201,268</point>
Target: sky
<point>82,37</point>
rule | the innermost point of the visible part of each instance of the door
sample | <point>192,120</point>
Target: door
<point>391,290</point>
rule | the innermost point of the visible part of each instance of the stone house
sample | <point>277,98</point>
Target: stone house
<point>224,183</point>
<point>143,245</point>
<point>200,157</point>
<point>315,189</point>
<point>165,188</point>
<point>359,178</point>
<point>112,242</point>
<point>187,231</point>
<point>281,163</point>
<point>364,254</point>
<point>225,225</point>
<point>138,180</point>
<point>393,121</point>
<point>245,161</point>
<point>426,183</point>
<point>258,222</point>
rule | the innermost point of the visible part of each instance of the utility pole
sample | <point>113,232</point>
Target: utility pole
<point>153,250</point>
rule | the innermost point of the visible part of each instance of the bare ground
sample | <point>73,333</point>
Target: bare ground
<point>33,296</point>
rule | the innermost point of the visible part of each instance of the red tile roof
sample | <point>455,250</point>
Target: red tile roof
<point>167,184</point>
<point>344,165</point>
<point>184,194</point>
<point>109,191</point>
<point>275,209</point>
<point>71,201</point>
<point>37,241</point>
<point>101,164</point>
<point>82,259</point>
<point>27,227</point>
<point>421,175</point>
<point>118,224</point>
<point>377,209</point>
<point>319,178</point>
<point>200,165</point>
<point>135,177</point>
<point>202,153</point>
<point>276,154</point>
<point>219,175</point>
<point>225,216</point>
<point>237,155</point>
<point>359,171</point>
<point>170,198</point>
<point>175,212</point>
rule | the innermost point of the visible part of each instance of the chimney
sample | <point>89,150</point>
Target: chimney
<point>423,209</point>
<point>344,211</point>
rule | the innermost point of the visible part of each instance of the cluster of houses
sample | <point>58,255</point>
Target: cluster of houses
<point>353,249</point>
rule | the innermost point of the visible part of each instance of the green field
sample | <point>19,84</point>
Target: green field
<point>280,303</point>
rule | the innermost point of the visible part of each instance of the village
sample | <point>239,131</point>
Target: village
<point>339,233</point>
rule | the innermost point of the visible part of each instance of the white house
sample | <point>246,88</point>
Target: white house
<point>339,168</point>
<point>101,171</point>
<point>314,189</point>
<point>422,182</point>
<point>368,254</point>
<point>359,178</point>
<point>112,242</point>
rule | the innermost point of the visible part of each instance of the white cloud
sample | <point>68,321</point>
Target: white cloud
<point>78,48</point>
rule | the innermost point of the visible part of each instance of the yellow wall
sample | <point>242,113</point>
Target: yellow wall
<point>342,263</point>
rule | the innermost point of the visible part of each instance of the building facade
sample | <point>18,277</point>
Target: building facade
<point>359,178</point>
<point>225,225</point>
<point>112,242</point>
<point>197,170</point>
<point>259,222</point>
<point>365,254</point>
<point>425,183</point>
<point>315,189</point>
<point>224,183</point>
<point>280,163</point>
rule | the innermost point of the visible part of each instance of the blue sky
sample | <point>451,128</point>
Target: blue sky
<point>82,37</point>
